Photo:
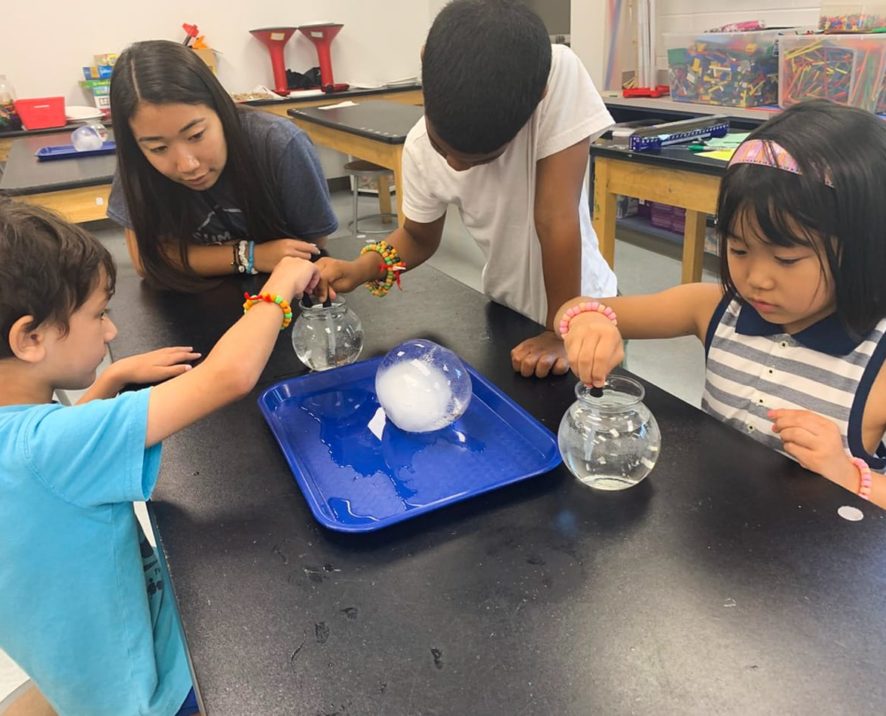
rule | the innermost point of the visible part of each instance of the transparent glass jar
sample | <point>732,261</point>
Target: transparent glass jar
<point>326,337</point>
<point>610,442</point>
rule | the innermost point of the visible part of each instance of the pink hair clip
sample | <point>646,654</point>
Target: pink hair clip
<point>766,153</point>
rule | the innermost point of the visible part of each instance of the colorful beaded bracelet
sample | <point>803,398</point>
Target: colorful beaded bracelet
<point>864,482</point>
<point>584,307</point>
<point>244,257</point>
<point>391,263</point>
<point>268,298</point>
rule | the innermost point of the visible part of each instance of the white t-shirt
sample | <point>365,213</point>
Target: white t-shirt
<point>496,200</point>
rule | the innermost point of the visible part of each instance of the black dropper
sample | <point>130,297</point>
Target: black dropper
<point>307,302</point>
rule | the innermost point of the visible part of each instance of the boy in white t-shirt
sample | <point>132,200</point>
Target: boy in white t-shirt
<point>506,133</point>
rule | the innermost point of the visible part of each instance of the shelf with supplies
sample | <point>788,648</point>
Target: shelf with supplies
<point>629,109</point>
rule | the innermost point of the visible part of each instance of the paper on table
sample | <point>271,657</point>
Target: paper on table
<point>730,141</point>
<point>346,103</point>
<point>297,94</point>
<point>724,155</point>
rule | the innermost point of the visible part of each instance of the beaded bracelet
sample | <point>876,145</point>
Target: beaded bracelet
<point>244,257</point>
<point>242,260</point>
<point>864,473</point>
<point>583,307</point>
<point>250,258</point>
<point>391,263</point>
<point>268,298</point>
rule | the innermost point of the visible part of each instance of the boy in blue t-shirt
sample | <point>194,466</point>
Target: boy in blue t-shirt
<point>83,607</point>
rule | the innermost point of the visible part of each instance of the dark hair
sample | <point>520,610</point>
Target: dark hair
<point>162,210</point>
<point>48,267</point>
<point>845,147</point>
<point>484,71</point>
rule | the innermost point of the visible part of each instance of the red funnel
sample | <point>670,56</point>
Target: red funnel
<point>276,38</point>
<point>321,35</point>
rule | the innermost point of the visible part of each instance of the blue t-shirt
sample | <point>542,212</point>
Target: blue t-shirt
<point>83,607</point>
<point>300,189</point>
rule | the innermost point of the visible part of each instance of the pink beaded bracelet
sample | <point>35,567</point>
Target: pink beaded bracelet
<point>583,307</point>
<point>864,472</point>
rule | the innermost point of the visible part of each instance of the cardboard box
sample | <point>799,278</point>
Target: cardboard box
<point>207,54</point>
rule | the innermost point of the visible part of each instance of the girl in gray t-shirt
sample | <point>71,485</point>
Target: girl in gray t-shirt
<point>204,188</point>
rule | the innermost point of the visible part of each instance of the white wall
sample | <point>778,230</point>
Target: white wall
<point>588,36</point>
<point>687,16</point>
<point>695,16</point>
<point>46,43</point>
<point>554,13</point>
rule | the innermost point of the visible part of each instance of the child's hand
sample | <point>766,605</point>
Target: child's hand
<point>593,346</point>
<point>269,254</point>
<point>143,369</point>
<point>153,367</point>
<point>337,276</point>
<point>540,356</point>
<point>292,278</point>
<point>815,442</point>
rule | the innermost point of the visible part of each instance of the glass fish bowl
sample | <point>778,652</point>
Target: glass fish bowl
<point>422,386</point>
<point>609,440</point>
<point>327,335</point>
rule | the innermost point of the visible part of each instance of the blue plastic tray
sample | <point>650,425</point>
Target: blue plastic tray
<point>67,151</point>
<point>360,472</point>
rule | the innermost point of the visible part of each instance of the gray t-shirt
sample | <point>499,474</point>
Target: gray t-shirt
<point>297,179</point>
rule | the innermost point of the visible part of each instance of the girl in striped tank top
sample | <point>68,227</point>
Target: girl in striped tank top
<point>795,334</point>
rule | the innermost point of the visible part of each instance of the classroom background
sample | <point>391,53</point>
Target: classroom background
<point>46,45</point>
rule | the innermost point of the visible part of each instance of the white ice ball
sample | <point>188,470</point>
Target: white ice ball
<point>422,386</point>
<point>89,137</point>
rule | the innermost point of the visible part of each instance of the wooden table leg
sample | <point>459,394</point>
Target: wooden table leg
<point>384,199</point>
<point>693,246</point>
<point>398,182</point>
<point>604,211</point>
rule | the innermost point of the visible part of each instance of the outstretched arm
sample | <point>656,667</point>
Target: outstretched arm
<point>594,344</point>
<point>144,368</point>
<point>414,242</point>
<point>234,365</point>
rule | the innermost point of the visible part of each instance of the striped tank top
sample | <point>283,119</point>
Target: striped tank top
<point>753,366</point>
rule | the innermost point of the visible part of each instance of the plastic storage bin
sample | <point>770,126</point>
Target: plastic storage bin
<point>733,69</point>
<point>852,17</point>
<point>661,215</point>
<point>847,69</point>
<point>42,112</point>
<point>665,216</point>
